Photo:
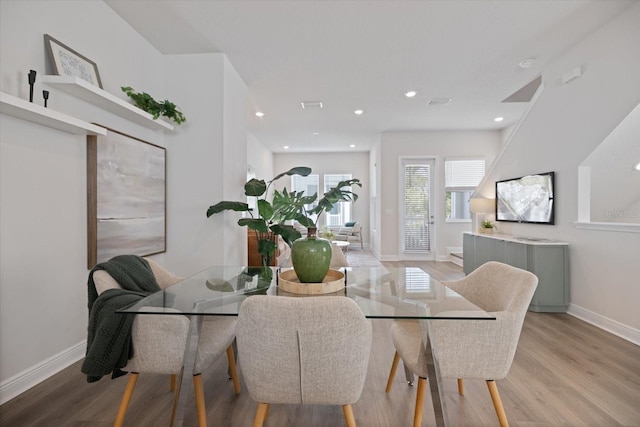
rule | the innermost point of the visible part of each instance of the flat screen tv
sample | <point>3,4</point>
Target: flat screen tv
<point>528,199</point>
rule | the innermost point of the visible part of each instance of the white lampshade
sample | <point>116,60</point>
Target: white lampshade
<point>481,205</point>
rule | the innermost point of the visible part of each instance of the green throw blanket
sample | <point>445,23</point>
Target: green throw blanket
<point>109,333</point>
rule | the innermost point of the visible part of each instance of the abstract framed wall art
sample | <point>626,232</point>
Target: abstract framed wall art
<point>126,192</point>
<point>67,62</point>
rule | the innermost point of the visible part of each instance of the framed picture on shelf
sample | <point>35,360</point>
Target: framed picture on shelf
<point>67,62</point>
<point>125,196</point>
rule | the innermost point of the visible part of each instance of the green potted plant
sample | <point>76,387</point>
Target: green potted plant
<point>487,227</point>
<point>145,102</point>
<point>311,256</point>
<point>269,219</point>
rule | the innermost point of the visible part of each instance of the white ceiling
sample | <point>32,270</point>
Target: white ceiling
<point>366,54</point>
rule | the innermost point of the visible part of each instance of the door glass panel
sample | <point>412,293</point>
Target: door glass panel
<point>417,206</point>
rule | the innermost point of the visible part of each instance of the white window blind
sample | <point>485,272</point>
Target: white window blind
<point>463,174</point>
<point>417,236</point>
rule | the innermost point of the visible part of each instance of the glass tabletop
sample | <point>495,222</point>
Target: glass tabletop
<point>381,292</point>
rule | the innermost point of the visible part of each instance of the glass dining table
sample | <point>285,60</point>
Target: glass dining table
<point>380,292</point>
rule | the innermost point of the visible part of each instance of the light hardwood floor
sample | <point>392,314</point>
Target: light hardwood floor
<point>566,373</point>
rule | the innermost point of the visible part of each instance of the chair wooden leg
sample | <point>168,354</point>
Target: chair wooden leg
<point>348,415</point>
<point>261,414</point>
<point>392,374</point>
<point>422,389</point>
<point>460,386</point>
<point>172,385</point>
<point>176,395</point>
<point>232,368</point>
<point>126,398</point>
<point>497,403</point>
<point>198,390</point>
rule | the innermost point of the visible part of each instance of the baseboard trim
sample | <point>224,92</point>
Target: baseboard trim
<point>33,376</point>
<point>375,252</point>
<point>613,326</point>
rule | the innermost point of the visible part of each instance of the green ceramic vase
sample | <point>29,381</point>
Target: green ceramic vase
<point>311,257</point>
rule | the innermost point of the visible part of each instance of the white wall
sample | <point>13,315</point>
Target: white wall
<point>259,157</point>
<point>563,128</point>
<point>441,144</point>
<point>234,164</point>
<point>374,213</point>
<point>357,164</point>
<point>43,245</point>
<point>205,162</point>
<point>615,185</point>
<point>43,249</point>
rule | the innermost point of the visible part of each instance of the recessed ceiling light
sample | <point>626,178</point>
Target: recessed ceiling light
<point>286,147</point>
<point>358,112</point>
<point>636,167</point>
<point>410,94</point>
<point>316,133</point>
<point>498,119</point>
<point>353,146</point>
<point>526,63</point>
<point>259,114</point>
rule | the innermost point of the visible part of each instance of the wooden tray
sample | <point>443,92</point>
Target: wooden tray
<point>289,282</point>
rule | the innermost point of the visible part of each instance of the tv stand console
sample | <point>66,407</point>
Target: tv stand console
<point>547,259</point>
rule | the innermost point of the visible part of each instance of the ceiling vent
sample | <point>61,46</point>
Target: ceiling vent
<point>439,101</point>
<point>526,92</point>
<point>310,105</point>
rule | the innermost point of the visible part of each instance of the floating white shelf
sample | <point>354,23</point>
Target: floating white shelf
<point>45,116</point>
<point>94,95</point>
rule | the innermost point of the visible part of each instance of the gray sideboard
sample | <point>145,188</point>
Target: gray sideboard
<point>547,259</point>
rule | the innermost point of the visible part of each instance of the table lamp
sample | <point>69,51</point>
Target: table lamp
<point>480,207</point>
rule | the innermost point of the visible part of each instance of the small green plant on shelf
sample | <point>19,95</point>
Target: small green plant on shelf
<point>145,102</point>
<point>488,224</point>
<point>487,227</point>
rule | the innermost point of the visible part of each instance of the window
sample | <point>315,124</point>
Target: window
<point>462,176</point>
<point>341,212</point>
<point>308,184</point>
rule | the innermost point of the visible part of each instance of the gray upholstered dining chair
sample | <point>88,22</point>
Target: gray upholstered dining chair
<point>307,350</point>
<point>159,342</point>
<point>479,349</point>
